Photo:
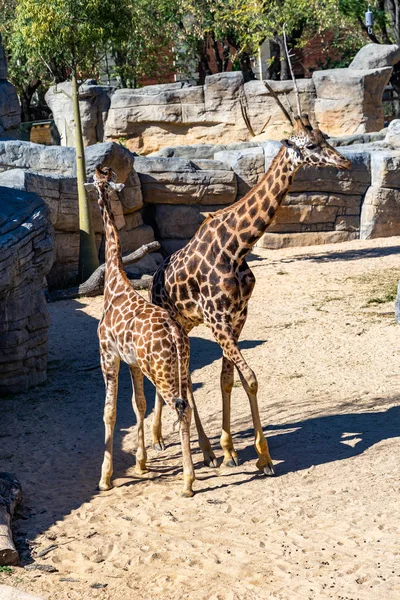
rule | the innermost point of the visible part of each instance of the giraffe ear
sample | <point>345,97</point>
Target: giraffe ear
<point>292,146</point>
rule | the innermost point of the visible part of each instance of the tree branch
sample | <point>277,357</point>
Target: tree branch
<point>94,286</point>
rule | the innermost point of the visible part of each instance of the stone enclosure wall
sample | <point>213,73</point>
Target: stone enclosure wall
<point>227,110</point>
<point>26,255</point>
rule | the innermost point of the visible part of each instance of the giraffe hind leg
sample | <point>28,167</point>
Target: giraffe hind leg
<point>209,457</point>
<point>139,406</point>
<point>158,441</point>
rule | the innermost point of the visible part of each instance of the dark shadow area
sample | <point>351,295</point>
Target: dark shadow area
<point>52,436</point>
<point>204,352</point>
<point>347,255</point>
<point>323,440</point>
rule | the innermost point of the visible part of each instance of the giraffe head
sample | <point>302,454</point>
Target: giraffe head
<point>103,179</point>
<point>312,148</point>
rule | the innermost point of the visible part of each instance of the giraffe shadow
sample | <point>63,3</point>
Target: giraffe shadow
<point>300,445</point>
<point>349,255</point>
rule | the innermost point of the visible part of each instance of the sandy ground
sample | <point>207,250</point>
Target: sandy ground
<point>322,339</point>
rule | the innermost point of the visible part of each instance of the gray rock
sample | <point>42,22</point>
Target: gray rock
<point>376,56</point>
<point>248,165</point>
<point>180,221</point>
<point>116,156</point>
<point>393,133</point>
<point>178,181</point>
<point>94,102</point>
<point>37,157</point>
<point>26,256</point>
<point>171,246</point>
<point>329,179</point>
<point>349,100</point>
<point>385,169</point>
<point>380,213</point>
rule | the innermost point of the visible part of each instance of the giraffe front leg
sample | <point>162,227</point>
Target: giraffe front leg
<point>110,369</point>
<point>229,346</point>
<point>158,441</point>
<point>139,406</point>
<point>210,459</point>
<point>250,385</point>
<point>231,458</point>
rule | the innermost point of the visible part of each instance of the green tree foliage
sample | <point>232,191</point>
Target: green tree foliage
<point>141,40</point>
<point>240,26</point>
<point>67,36</point>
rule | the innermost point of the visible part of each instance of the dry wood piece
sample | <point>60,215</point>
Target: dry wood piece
<point>95,284</point>
<point>10,496</point>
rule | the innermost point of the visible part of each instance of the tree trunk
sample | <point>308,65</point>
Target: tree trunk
<point>284,65</point>
<point>88,259</point>
<point>10,496</point>
<point>245,66</point>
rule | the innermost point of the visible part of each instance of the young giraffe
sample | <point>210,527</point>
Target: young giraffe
<point>147,339</point>
<point>208,281</point>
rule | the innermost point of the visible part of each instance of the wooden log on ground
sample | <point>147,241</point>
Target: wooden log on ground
<point>10,496</point>
<point>94,286</point>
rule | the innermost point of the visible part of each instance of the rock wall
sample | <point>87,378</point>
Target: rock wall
<point>50,172</point>
<point>26,256</point>
<point>10,111</point>
<point>226,110</point>
<point>324,205</point>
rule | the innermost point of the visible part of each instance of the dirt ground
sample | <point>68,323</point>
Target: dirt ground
<point>322,339</point>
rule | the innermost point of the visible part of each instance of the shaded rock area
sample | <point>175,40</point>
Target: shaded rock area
<point>26,256</point>
<point>50,172</point>
<point>226,110</point>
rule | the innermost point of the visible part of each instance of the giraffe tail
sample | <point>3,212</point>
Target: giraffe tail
<point>181,403</point>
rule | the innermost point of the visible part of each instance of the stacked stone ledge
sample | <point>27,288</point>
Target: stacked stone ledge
<point>50,172</point>
<point>26,256</point>
<point>226,110</point>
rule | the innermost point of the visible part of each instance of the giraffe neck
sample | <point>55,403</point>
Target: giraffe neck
<point>114,272</point>
<point>250,216</point>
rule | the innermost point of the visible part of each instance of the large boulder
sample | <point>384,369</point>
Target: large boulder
<point>180,221</point>
<point>61,161</point>
<point>350,100</point>
<point>393,134</point>
<point>26,256</point>
<point>376,56</point>
<point>179,181</point>
<point>94,102</point>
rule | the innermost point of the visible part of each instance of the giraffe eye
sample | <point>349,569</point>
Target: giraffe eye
<point>311,146</point>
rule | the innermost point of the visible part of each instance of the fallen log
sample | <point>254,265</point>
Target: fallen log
<point>10,496</point>
<point>94,286</point>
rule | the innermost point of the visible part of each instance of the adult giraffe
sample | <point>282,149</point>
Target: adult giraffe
<point>208,281</point>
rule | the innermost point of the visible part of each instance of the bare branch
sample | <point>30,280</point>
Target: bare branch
<point>275,96</point>
<point>296,89</point>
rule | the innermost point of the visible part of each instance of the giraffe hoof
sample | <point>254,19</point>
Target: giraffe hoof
<point>232,462</point>
<point>211,462</point>
<point>187,494</point>
<point>159,446</point>
<point>104,487</point>
<point>269,470</point>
